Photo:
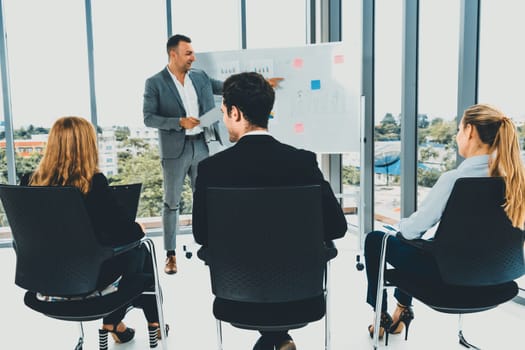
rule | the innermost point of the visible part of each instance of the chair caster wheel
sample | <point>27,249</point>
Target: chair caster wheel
<point>359,265</point>
<point>188,254</point>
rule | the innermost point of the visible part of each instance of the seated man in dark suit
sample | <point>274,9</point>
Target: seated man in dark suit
<point>257,159</point>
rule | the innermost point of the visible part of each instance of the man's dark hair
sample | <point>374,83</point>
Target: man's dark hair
<point>251,94</point>
<point>174,41</point>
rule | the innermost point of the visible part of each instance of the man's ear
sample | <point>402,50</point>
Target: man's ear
<point>236,113</point>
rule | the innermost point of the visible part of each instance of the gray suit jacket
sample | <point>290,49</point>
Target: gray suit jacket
<point>163,107</point>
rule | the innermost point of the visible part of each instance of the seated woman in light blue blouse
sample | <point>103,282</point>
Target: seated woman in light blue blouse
<point>489,142</point>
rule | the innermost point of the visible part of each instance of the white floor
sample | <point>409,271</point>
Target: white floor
<point>187,308</point>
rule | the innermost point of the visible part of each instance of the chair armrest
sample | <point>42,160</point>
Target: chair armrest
<point>331,250</point>
<point>423,244</point>
<point>125,248</point>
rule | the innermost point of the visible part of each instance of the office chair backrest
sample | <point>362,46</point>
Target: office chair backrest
<point>266,244</point>
<point>475,243</point>
<point>57,252</point>
<point>128,197</point>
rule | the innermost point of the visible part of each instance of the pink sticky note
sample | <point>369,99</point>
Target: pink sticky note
<point>298,63</point>
<point>338,59</point>
<point>299,128</point>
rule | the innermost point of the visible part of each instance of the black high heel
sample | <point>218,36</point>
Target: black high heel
<point>155,334</point>
<point>405,317</point>
<point>119,337</point>
<point>384,325</point>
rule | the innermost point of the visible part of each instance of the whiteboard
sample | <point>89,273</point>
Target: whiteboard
<point>316,105</point>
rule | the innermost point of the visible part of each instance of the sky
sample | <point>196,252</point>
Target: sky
<point>48,56</point>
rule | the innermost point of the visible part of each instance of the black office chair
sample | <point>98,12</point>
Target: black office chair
<point>128,197</point>
<point>58,255</point>
<point>477,250</point>
<point>266,246</point>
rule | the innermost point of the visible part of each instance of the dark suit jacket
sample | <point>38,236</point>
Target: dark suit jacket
<point>261,160</point>
<point>163,108</point>
<point>110,222</point>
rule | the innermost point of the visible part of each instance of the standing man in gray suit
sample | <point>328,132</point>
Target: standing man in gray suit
<point>174,99</point>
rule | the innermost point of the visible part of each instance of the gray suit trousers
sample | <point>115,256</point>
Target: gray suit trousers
<point>174,171</point>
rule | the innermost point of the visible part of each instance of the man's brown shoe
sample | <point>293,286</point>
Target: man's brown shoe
<point>171,265</point>
<point>287,345</point>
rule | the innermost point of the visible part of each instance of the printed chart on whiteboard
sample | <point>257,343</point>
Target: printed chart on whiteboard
<point>316,105</point>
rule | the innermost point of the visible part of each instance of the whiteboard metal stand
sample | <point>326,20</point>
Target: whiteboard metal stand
<point>362,205</point>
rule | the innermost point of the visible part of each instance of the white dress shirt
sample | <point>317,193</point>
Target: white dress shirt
<point>189,99</point>
<point>432,207</point>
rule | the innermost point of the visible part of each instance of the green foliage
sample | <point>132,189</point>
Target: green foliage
<point>443,131</point>
<point>137,144</point>
<point>23,166</point>
<point>3,166</point>
<point>186,201</point>
<point>351,175</point>
<point>388,129</point>
<point>422,121</point>
<point>122,133</point>
<point>146,169</point>
<point>427,153</point>
<point>25,134</point>
<point>427,178</point>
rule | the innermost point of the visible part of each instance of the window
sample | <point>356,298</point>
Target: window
<point>501,71</point>
<point>388,45</point>
<point>48,66</point>
<point>125,56</point>
<point>275,23</point>
<point>437,93</point>
<point>501,57</point>
<point>351,37</point>
<point>212,25</point>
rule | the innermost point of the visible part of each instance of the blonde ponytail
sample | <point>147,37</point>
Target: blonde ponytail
<point>508,164</point>
<point>498,131</point>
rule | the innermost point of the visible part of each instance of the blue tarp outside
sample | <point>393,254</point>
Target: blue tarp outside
<point>391,165</point>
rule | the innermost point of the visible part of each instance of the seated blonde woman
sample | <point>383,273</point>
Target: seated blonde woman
<point>71,159</point>
<point>489,142</point>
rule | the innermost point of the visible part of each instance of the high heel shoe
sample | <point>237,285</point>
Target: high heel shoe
<point>119,337</point>
<point>405,317</point>
<point>155,334</point>
<point>384,324</point>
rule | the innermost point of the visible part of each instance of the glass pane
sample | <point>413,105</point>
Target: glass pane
<point>212,25</point>
<point>125,55</point>
<point>501,71</point>
<point>5,233</point>
<point>352,39</point>
<point>437,95</point>
<point>388,45</point>
<point>48,70</point>
<point>275,23</point>
<point>59,86</point>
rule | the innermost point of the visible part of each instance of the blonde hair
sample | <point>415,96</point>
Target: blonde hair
<point>497,130</point>
<point>70,157</point>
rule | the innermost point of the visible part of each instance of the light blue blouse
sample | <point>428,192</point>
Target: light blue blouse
<point>431,209</point>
